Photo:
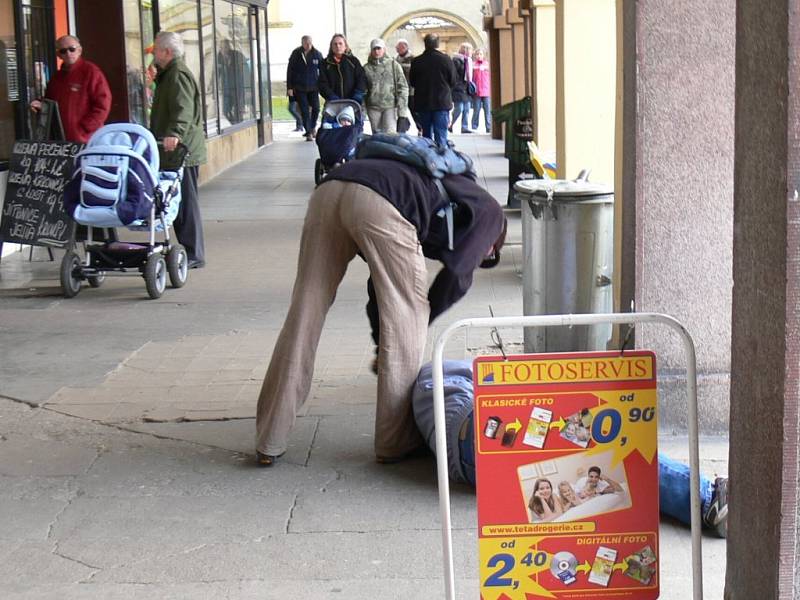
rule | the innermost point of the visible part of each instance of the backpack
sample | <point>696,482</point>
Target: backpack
<point>420,152</point>
<point>424,154</point>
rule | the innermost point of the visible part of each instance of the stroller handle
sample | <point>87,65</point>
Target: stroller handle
<point>182,150</point>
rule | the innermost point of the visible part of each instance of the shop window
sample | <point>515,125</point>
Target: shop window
<point>138,19</point>
<point>234,63</point>
<point>209,66</point>
<point>180,16</point>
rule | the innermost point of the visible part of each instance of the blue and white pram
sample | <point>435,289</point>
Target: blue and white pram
<point>117,177</point>
<point>117,183</point>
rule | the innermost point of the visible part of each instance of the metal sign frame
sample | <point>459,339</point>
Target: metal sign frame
<point>566,320</point>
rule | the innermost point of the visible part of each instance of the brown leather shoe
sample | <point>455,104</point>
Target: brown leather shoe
<point>266,460</point>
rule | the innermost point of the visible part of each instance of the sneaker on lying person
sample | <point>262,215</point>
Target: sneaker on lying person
<point>715,517</point>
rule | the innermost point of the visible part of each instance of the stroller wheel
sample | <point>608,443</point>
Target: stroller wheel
<point>71,274</point>
<point>155,275</point>
<point>96,280</point>
<point>177,265</point>
<point>319,171</point>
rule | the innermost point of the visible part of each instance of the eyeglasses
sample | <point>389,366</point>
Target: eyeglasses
<point>67,49</point>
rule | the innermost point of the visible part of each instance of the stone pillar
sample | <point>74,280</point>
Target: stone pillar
<point>585,87</point>
<point>518,57</point>
<point>765,357</point>
<point>677,183</point>
<point>525,13</point>
<point>494,69</point>
<point>543,67</point>
<point>505,43</point>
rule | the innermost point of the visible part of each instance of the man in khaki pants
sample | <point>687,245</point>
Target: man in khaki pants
<point>389,212</point>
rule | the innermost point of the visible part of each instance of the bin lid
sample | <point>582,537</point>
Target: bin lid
<point>562,190</point>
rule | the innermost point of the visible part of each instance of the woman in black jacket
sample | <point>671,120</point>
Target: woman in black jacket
<point>341,75</point>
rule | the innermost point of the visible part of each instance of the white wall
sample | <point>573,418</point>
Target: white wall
<point>290,20</point>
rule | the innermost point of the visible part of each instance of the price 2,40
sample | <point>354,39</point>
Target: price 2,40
<point>506,563</point>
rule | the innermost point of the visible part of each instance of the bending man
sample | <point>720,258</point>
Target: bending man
<point>386,211</point>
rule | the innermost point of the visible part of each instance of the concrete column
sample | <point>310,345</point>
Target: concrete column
<point>525,14</point>
<point>505,43</point>
<point>585,87</point>
<point>677,183</point>
<point>494,69</point>
<point>543,89</point>
<point>518,57</point>
<point>765,362</point>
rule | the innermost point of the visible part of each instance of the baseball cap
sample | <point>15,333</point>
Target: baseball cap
<point>377,43</point>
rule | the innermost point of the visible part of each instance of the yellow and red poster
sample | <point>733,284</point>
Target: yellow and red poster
<point>567,476</point>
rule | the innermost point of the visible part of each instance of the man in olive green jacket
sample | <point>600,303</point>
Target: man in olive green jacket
<point>177,117</point>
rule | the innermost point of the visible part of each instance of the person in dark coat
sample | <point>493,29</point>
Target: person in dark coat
<point>177,117</point>
<point>462,101</point>
<point>302,74</point>
<point>433,77</point>
<point>342,75</point>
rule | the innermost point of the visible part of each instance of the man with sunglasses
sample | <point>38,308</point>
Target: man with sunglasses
<point>81,91</point>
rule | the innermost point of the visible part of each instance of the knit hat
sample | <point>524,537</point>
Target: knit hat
<point>346,113</point>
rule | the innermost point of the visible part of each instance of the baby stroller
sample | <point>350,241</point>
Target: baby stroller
<point>116,183</point>
<point>335,139</point>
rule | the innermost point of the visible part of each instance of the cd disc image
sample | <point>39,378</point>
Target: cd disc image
<point>564,566</point>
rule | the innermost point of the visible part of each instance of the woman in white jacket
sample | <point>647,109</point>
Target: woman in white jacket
<point>387,91</point>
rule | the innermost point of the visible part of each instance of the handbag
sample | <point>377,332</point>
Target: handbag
<point>472,89</point>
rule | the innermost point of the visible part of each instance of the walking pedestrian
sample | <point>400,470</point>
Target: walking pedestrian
<point>404,58</point>
<point>482,98</point>
<point>341,75</point>
<point>302,74</point>
<point>433,76</point>
<point>387,90</point>
<point>461,98</point>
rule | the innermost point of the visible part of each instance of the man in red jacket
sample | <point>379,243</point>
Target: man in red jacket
<point>81,91</point>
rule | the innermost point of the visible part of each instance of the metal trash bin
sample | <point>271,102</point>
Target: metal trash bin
<point>568,257</point>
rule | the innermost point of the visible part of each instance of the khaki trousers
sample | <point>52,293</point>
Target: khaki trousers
<point>343,218</point>
<point>383,119</point>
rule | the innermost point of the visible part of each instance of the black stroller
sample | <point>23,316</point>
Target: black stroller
<point>336,139</point>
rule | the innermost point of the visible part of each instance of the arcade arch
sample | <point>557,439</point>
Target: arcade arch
<point>414,26</point>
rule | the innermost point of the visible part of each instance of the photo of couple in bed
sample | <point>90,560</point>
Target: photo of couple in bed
<point>570,488</point>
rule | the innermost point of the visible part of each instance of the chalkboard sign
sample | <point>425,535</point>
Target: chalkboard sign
<point>33,212</point>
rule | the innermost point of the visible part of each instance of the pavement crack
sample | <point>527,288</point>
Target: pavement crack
<point>100,451</point>
<point>74,496</point>
<point>291,513</point>
<point>313,441</point>
<point>95,569</point>
<point>30,403</point>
